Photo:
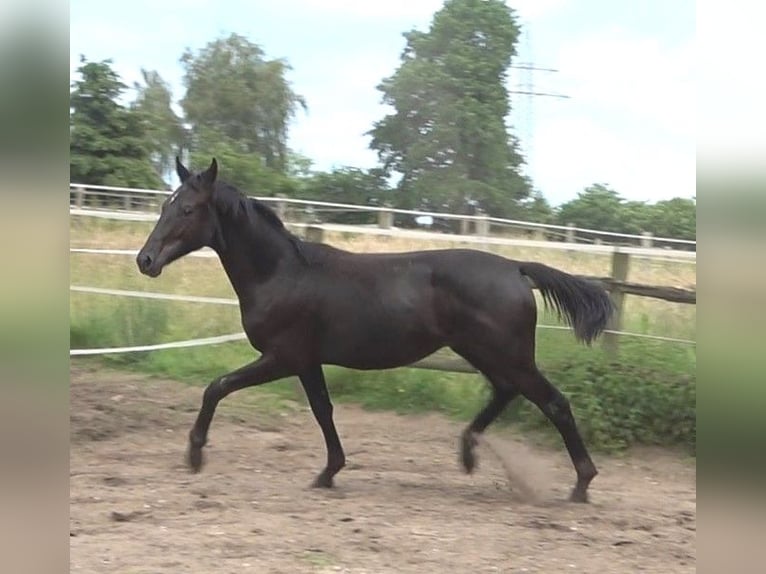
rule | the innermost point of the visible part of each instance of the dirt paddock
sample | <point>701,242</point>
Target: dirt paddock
<point>401,504</point>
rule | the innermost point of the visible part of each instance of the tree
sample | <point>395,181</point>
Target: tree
<point>243,169</point>
<point>537,209</point>
<point>447,135</point>
<point>107,142</point>
<point>164,132</point>
<point>233,90</point>
<point>348,185</point>
<point>676,218</point>
<point>597,207</point>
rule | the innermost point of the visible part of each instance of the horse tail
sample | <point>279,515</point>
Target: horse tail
<point>583,305</point>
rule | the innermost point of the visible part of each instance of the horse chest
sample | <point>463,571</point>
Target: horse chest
<point>269,323</point>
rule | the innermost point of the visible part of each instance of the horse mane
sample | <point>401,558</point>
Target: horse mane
<point>230,199</point>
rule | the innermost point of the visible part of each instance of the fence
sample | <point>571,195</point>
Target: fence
<point>145,202</point>
<point>617,285</point>
<point>141,205</point>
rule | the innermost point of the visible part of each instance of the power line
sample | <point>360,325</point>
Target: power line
<point>529,93</point>
<point>526,88</point>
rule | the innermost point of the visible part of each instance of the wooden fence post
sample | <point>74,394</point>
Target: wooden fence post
<point>570,233</point>
<point>314,234</point>
<point>482,224</point>
<point>465,226</point>
<point>385,218</point>
<point>647,239</point>
<point>281,207</point>
<point>620,265</point>
<point>79,197</point>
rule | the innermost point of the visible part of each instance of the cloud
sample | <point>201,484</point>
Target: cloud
<point>414,10</point>
<point>574,152</point>
<point>630,122</point>
<point>536,9</point>
<point>636,77</point>
<point>334,138</point>
<point>390,9</point>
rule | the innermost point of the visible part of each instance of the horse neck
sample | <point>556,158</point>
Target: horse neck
<point>251,252</point>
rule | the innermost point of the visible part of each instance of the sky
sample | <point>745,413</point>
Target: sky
<point>628,70</point>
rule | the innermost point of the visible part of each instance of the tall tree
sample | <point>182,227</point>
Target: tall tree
<point>233,90</point>
<point>164,132</point>
<point>447,135</point>
<point>107,142</point>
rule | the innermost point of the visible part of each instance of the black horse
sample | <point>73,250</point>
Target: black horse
<point>304,305</point>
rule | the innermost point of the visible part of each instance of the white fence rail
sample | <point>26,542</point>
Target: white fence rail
<point>142,204</point>
<point>303,228</point>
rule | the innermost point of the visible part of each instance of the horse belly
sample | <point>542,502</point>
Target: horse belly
<point>381,345</point>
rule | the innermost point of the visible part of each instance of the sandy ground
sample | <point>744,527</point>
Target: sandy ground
<point>402,504</point>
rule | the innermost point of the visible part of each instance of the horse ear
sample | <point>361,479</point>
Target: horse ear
<point>183,173</point>
<point>209,175</point>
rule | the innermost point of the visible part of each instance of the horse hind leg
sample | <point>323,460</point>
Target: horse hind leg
<point>555,406</point>
<point>502,394</point>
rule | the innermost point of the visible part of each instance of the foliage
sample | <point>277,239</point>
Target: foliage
<point>244,169</point>
<point>597,207</point>
<point>675,217</point>
<point>536,208</point>
<point>602,208</point>
<point>164,132</point>
<point>347,185</point>
<point>447,136</point>
<point>234,91</point>
<point>107,143</point>
<point>619,404</point>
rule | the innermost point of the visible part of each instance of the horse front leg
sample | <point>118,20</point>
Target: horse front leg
<point>315,387</point>
<point>263,370</point>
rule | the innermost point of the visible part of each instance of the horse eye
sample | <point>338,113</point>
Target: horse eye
<point>187,209</point>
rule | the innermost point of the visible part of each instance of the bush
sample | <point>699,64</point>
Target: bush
<point>619,404</point>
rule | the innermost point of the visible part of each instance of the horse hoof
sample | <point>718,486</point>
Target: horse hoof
<point>466,453</point>
<point>580,496</point>
<point>195,459</point>
<point>322,481</point>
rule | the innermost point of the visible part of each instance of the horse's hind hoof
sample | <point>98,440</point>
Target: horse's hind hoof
<point>194,459</point>
<point>579,496</point>
<point>467,457</point>
<point>323,481</point>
